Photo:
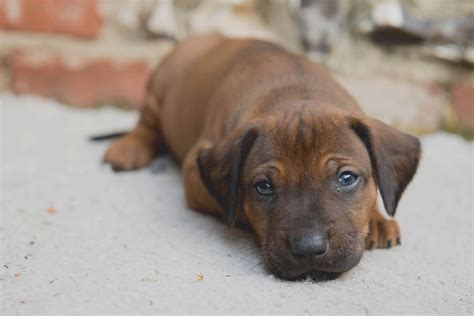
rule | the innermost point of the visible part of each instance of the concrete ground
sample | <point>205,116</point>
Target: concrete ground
<point>78,238</point>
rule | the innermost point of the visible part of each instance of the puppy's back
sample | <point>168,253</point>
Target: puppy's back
<point>205,81</point>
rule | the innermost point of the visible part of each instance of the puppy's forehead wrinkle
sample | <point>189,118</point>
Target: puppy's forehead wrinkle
<point>302,135</point>
<point>303,130</point>
<point>304,147</point>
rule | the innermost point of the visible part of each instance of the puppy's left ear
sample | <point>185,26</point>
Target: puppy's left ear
<point>394,157</point>
<point>221,169</point>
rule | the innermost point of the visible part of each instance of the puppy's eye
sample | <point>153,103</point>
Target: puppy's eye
<point>264,188</point>
<point>348,178</point>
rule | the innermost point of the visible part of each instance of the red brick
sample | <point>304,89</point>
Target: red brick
<point>91,83</point>
<point>463,104</point>
<point>76,17</point>
<point>2,15</point>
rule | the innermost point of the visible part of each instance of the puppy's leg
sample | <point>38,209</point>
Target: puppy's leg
<point>138,148</point>
<point>197,196</point>
<point>383,233</point>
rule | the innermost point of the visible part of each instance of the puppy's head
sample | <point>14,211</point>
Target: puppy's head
<point>308,184</point>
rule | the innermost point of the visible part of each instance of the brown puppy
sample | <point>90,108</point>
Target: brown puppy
<point>269,138</point>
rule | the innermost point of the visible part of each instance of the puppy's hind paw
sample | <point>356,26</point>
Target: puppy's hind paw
<point>129,153</point>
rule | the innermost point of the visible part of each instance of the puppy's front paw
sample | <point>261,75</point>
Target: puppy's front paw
<point>129,153</point>
<point>383,233</point>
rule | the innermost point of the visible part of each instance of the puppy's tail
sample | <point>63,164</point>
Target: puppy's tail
<point>107,136</point>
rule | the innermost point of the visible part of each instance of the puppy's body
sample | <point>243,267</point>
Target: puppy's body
<point>239,113</point>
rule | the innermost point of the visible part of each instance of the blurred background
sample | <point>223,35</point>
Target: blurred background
<point>418,55</point>
<point>77,238</point>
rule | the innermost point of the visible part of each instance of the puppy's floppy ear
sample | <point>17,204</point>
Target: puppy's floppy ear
<point>221,169</point>
<point>394,157</point>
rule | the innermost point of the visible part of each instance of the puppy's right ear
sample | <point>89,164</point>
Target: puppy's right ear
<point>221,169</point>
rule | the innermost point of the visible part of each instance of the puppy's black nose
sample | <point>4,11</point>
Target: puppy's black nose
<point>308,245</point>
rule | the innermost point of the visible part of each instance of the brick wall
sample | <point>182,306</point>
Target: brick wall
<point>77,51</point>
<point>74,17</point>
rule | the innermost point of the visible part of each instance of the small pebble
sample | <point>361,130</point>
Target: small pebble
<point>51,210</point>
<point>200,277</point>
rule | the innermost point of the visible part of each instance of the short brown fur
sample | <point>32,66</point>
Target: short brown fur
<point>235,113</point>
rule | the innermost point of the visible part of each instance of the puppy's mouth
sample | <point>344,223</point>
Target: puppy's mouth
<point>296,273</point>
<point>316,276</point>
<point>327,269</point>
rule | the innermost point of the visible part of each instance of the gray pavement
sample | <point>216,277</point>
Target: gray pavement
<point>78,238</point>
